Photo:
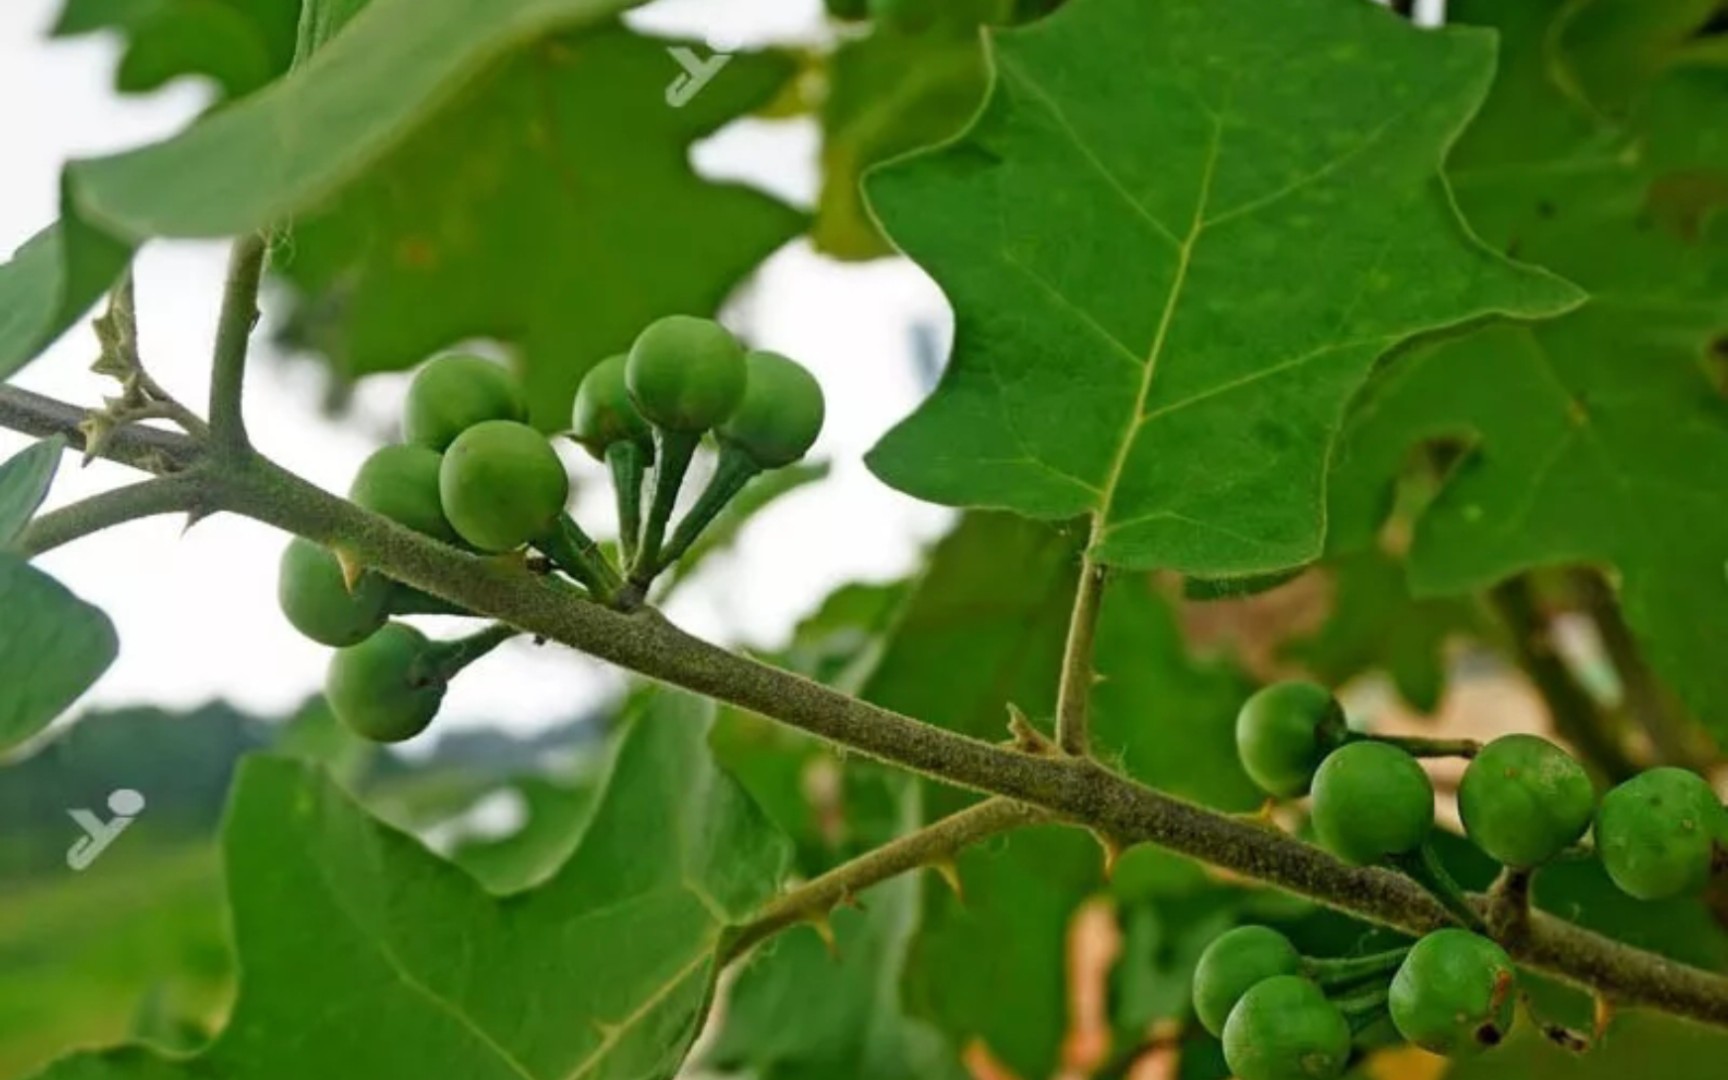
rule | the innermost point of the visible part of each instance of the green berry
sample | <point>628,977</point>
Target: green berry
<point>1524,800</point>
<point>401,482</point>
<point>1453,994</point>
<point>1283,733</point>
<point>1235,963</point>
<point>603,413</point>
<point>1285,1029</point>
<point>1657,833</point>
<point>502,485</point>
<point>780,415</point>
<point>685,374</point>
<point>453,393</point>
<point>387,688</point>
<point>1371,800</point>
<point>317,602</point>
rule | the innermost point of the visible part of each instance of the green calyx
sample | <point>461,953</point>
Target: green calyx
<point>401,483</point>
<point>1285,1029</point>
<point>1371,801</point>
<point>1657,833</point>
<point>1235,963</point>
<point>780,415</point>
<point>1284,731</point>
<point>604,414</point>
<point>453,393</point>
<point>389,687</point>
<point>315,597</point>
<point>685,374</point>
<point>1454,993</point>
<point>502,485</point>
<point>1525,800</point>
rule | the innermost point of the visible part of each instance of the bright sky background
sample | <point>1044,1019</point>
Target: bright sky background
<point>197,612</point>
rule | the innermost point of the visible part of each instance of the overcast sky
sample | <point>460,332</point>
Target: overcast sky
<point>196,611</point>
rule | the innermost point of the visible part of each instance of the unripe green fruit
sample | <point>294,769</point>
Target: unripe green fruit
<point>502,485</point>
<point>1453,994</point>
<point>1285,1029</point>
<point>685,374</point>
<point>387,687</point>
<point>401,482</point>
<point>1233,964</point>
<point>1657,833</point>
<point>317,602</point>
<point>1371,800</point>
<point>1524,800</point>
<point>781,413</point>
<point>453,393</point>
<point>1283,733</point>
<point>603,413</point>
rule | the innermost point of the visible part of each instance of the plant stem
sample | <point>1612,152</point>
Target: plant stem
<point>1576,717</point>
<point>573,551</point>
<point>1676,740</point>
<point>734,471</point>
<point>146,449</point>
<point>928,846</point>
<point>1424,867</point>
<point>233,335</point>
<point>407,600</point>
<point>627,461</point>
<point>1417,746</point>
<point>118,330</point>
<point>1074,698</point>
<point>1077,789</point>
<point>1363,1009</point>
<point>671,461</point>
<point>146,498</point>
<point>1335,973</point>
<point>450,657</point>
<point>1508,914</point>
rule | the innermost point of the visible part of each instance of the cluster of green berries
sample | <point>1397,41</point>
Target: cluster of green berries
<point>1284,1016</point>
<point>1524,801</point>
<point>473,474</point>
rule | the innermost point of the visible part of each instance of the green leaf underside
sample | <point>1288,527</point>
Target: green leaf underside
<point>238,44</point>
<point>24,481</point>
<point>604,971</point>
<point>526,213</point>
<point>1597,437</point>
<point>259,162</point>
<point>1175,240</point>
<point>53,646</point>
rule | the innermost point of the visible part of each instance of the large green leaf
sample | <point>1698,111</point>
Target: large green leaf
<point>24,481</point>
<point>553,207</point>
<point>279,151</point>
<point>1597,437</point>
<point>604,971</point>
<point>238,44</point>
<point>53,646</point>
<point>1175,240</point>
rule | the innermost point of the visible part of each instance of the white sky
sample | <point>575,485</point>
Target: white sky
<point>197,612</point>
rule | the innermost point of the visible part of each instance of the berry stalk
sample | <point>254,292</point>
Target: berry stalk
<point>575,552</point>
<point>736,468</point>
<point>672,461</point>
<point>627,462</point>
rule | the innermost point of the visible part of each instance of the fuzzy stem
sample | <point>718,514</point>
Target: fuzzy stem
<point>928,846</point>
<point>627,461</point>
<point>233,335</point>
<point>1424,867</point>
<point>671,462</point>
<point>147,449</point>
<point>146,498</point>
<point>573,551</point>
<point>734,471</point>
<point>1074,696</point>
<point>448,658</point>
<point>407,600</point>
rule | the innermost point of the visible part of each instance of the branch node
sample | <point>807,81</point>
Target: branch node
<point>1025,737</point>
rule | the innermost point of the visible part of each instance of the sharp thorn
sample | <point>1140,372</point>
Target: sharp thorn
<point>949,871</point>
<point>352,568</point>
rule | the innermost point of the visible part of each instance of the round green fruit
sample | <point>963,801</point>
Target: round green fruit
<point>453,393</point>
<point>780,415</point>
<point>316,600</point>
<point>1657,833</point>
<point>1235,963</point>
<point>685,374</point>
<point>1371,801</point>
<point>1283,733</point>
<point>401,482</point>
<point>502,485</point>
<point>604,413</point>
<point>387,688</point>
<point>1285,1029</point>
<point>1524,800</point>
<point>1453,994</point>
